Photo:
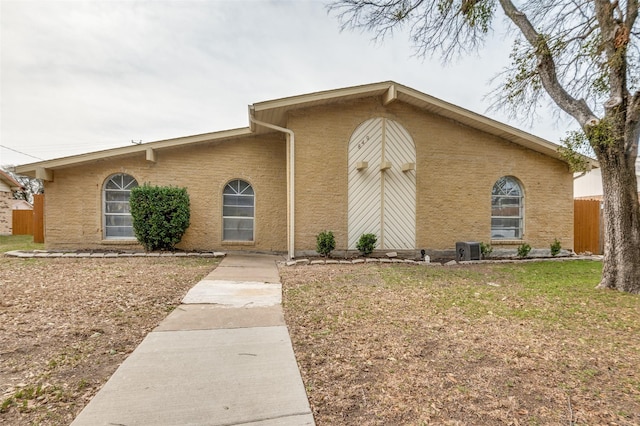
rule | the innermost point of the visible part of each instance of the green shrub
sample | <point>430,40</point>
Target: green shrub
<point>367,243</point>
<point>325,243</point>
<point>523,250</point>
<point>160,215</point>
<point>555,247</point>
<point>485,250</point>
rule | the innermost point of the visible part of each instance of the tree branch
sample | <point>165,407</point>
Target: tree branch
<point>577,108</point>
<point>632,15</point>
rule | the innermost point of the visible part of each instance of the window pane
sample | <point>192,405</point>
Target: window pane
<point>505,234</point>
<point>128,182</point>
<point>505,201</point>
<point>117,195</point>
<point>238,200</point>
<point>232,223</point>
<point>119,220</point>
<point>499,223</point>
<point>117,207</point>
<point>238,235</point>
<point>506,186</point>
<point>119,231</point>
<point>237,211</point>
<point>117,212</point>
<point>237,229</point>
<point>506,209</point>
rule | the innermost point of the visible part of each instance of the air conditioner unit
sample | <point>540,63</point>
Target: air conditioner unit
<point>467,251</point>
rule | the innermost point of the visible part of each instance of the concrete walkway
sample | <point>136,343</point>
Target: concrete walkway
<point>223,357</point>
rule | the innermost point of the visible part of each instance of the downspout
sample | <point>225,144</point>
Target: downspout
<point>291,143</point>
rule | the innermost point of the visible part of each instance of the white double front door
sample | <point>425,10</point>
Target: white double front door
<point>382,185</point>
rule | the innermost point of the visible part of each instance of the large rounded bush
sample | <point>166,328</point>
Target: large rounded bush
<point>160,215</point>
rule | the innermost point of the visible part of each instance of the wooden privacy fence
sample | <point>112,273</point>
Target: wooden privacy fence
<point>30,222</point>
<point>587,226</point>
<point>22,222</point>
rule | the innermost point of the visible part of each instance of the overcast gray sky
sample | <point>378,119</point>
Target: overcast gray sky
<point>79,76</point>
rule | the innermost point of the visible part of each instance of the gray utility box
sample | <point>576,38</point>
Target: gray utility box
<point>467,251</point>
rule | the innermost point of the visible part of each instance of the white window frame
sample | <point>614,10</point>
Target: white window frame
<point>105,214</point>
<point>509,195</point>
<point>233,188</point>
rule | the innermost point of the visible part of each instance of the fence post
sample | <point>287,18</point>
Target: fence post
<point>38,218</point>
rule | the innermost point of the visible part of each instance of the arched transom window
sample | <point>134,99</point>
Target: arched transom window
<point>238,211</point>
<point>118,223</point>
<point>507,209</point>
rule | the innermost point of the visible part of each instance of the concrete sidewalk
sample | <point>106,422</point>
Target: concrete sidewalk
<point>223,357</point>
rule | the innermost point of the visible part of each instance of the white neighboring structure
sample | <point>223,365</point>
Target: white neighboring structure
<point>590,185</point>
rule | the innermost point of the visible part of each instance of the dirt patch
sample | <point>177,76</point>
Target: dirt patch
<point>67,324</point>
<point>396,344</point>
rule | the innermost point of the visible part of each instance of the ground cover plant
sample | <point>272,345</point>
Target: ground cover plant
<point>532,343</point>
<point>67,324</point>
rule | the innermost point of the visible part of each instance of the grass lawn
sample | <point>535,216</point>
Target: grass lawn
<point>521,344</point>
<point>18,242</point>
<point>67,324</point>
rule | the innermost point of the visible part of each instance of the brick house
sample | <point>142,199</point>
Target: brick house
<point>8,185</point>
<point>380,158</point>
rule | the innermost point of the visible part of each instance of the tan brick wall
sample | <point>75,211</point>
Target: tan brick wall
<point>6,214</point>
<point>73,200</point>
<point>456,169</point>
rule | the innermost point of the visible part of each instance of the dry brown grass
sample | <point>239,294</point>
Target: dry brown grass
<point>67,324</point>
<point>529,344</point>
<point>377,344</point>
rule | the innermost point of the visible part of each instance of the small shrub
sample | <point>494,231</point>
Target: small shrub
<point>555,247</point>
<point>160,215</point>
<point>523,250</point>
<point>485,250</point>
<point>367,243</point>
<point>325,243</point>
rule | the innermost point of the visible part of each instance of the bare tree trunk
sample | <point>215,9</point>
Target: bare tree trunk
<point>621,269</point>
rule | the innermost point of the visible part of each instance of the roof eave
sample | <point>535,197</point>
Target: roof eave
<point>32,168</point>
<point>13,184</point>
<point>276,111</point>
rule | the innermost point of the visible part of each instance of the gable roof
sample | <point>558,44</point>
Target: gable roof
<point>276,111</point>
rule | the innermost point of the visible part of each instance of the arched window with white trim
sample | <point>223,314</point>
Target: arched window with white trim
<point>238,211</point>
<point>507,209</point>
<point>118,223</point>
